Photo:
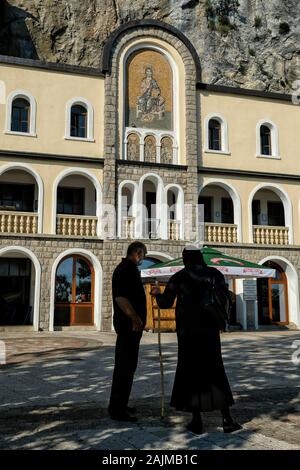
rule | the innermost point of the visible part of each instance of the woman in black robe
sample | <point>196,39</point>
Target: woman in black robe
<point>200,381</point>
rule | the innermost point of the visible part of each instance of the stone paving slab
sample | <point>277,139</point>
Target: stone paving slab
<point>55,387</point>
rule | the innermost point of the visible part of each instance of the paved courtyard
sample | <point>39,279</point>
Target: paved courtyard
<point>55,387</point>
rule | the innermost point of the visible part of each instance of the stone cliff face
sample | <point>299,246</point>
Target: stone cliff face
<point>246,43</point>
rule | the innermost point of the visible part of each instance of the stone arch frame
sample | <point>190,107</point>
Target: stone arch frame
<point>143,30</point>
<point>37,283</point>
<point>106,59</point>
<point>95,182</point>
<point>112,51</point>
<point>237,206</point>
<point>32,113</point>
<point>133,186</point>
<point>292,287</point>
<point>97,283</point>
<point>27,168</point>
<point>286,201</point>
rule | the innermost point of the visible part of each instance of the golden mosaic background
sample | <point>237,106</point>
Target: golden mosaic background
<point>162,73</point>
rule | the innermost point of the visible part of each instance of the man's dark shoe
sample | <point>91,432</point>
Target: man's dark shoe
<point>123,417</point>
<point>195,426</point>
<point>231,426</point>
<point>130,409</point>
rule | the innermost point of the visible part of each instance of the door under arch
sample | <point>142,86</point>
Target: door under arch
<point>74,292</point>
<point>17,276</point>
<point>273,297</point>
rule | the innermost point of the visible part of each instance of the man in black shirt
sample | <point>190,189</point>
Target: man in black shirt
<point>129,302</point>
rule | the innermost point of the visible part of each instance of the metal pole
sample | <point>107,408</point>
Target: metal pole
<point>162,385</point>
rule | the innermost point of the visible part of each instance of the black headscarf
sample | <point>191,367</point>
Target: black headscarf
<point>192,257</point>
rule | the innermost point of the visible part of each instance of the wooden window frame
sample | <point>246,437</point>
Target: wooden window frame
<point>72,305</point>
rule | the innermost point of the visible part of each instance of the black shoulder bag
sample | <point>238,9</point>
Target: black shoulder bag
<point>215,306</point>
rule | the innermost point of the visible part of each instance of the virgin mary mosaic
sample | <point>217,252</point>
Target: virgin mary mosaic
<point>149,91</point>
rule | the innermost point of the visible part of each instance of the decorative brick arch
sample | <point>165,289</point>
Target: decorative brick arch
<point>119,39</point>
<point>148,30</point>
<point>106,59</point>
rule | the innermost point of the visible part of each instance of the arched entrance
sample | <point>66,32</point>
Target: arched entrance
<point>20,281</point>
<point>273,297</point>
<point>221,212</point>
<point>74,292</point>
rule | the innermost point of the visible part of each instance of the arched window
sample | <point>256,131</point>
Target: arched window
<point>133,147</point>
<point>273,297</point>
<point>265,140</point>
<point>166,150</point>
<point>267,143</point>
<point>20,115</point>
<point>78,121</point>
<point>214,132</point>
<point>148,262</point>
<point>150,149</point>
<point>74,292</point>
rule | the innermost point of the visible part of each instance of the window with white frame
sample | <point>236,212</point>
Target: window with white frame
<point>216,134</point>
<point>267,139</point>
<point>79,120</point>
<point>20,114</point>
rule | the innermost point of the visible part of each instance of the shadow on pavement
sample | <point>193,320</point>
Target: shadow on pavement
<point>60,402</point>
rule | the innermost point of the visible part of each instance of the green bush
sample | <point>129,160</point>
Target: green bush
<point>242,69</point>
<point>284,28</point>
<point>257,22</point>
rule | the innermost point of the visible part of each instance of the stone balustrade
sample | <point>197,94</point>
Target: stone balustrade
<point>18,222</point>
<point>174,229</point>
<point>270,235</point>
<point>128,227</point>
<point>76,225</point>
<point>220,233</point>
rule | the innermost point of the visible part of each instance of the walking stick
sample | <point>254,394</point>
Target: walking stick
<point>162,386</point>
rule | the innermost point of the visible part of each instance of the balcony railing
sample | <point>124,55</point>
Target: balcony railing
<point>270,235</point>
<point>76,225</point>
<point>151,228</point>
<point>128,227</point>
<point>220,233</point>
<point>174,229</point>
<point>18,222</point>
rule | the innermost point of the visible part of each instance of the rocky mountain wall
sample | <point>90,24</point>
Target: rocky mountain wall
<point>245,43</point>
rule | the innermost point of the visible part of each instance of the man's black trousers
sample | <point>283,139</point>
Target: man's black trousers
<point>126,359</point>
